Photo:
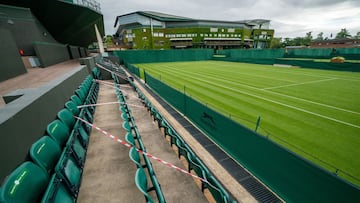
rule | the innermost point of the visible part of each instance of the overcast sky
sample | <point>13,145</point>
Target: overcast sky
<point>289,18</point>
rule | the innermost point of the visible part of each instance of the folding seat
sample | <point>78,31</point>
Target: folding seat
<point>182,151</point>
<point>198,169</point>
<point>68,170</point>
<point>57,191</point>
<point>66,117</point>
<point>24,184</point>
<point>172,134</point>
<point>69,142</point>
<point>71,106</point>
<point>130,139</point>
<point>135,157</point>
<point>142,184</point>
<point>216,190</point>
<point>126,125</point>
<point>76,100</point>
<point>59,132</point>
<point>45,153</point>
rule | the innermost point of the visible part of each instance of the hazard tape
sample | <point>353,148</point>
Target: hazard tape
<point>170,165</point>
<point>106,103</point>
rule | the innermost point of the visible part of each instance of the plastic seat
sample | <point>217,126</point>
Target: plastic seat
<point>57,192</point>
<point>130,139</point>
<point>66,117</point>
<point>58,131</point>
<point>135,157</point>
<point>72,107</point>
<point>45,152</point>
<point>68,170</point>
<point>142,184</point>
<point>126,126</point>
<point>25,184</point>
<point>217,191</point>
<point>76,100</point>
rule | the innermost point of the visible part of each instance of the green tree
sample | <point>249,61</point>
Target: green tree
<point>344,33</point>
<point>276,43</point>
<point>320,36</point>
<point>357,36</point>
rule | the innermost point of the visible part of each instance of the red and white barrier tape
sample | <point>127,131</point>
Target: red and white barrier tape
<point>106,103</point>
<point>142,152</point>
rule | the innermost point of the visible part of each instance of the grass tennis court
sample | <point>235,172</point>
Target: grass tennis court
<point>315,113</point>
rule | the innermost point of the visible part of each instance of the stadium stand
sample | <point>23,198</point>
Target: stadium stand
<point>58,154</point>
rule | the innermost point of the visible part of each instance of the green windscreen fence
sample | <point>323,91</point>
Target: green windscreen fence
<point>291,177</point>
<point>347,53</point>
<point>150,56</point>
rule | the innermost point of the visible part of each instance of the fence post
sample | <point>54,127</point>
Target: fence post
<point>257,123</point>
<point>184,100</point>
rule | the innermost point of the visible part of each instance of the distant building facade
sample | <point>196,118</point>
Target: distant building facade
<point>152,30</point>
<point>336,43</point>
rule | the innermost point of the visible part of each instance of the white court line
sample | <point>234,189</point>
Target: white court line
<point>282,104</point>
<point>288,96</point>
<point>297,84</point>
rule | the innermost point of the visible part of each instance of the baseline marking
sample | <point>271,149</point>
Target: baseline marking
<point>297,84</point>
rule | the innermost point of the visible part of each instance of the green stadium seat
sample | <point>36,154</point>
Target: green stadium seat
<point>66,117</point>
<point>57,192</point>
<point>135,157</point>
<point>58,131</point>
<point>76,100</point>
<point>126,126</point>
<point>142,184</point>
<point>216,190</point>
<point>198,169</point>
<point>130,139</point>
<point>72,107</point>
<point>24,184</point>
<point>70,172</point>
<point>69,142</point>
<point>182,151</point>
<point>45,152</point>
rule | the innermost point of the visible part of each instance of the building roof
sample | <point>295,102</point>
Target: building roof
<point>173,18</point>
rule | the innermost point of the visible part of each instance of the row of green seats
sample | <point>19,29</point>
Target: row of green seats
<point>194,163</point>
<point>53,171</point>
<point>133,137</point>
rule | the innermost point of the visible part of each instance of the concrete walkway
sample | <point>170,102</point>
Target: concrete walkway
<point>109,173</point>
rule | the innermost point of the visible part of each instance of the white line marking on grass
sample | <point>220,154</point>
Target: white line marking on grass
<point>282,104</point>
<point>297,84</point>
<point>284,95</point>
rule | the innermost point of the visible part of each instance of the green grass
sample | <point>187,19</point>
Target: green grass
<point>314,113</point>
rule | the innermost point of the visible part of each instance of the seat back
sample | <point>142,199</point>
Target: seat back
<point>66,117</point>
<point>68,170</point>
<point>58,131</point>
<point>45,152</point>
<point>216,190</point>
<point>72,107</point>
<point>130,139</point>
<point>76,100</point>
<point>57,192</point>
<point>142,184</point>
<point>135,157</point>
<point>25,184</point>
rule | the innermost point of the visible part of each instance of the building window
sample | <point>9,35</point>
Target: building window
<point>213,29</point>
<point>144,30</point>
<point>231,30</point>
<point>161,34</point>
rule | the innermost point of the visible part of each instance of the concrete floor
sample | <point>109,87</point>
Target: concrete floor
<point>109,174</point>
<point>36,77</point>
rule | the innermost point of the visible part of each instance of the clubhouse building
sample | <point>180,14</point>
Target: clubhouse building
<point>153,30</point>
